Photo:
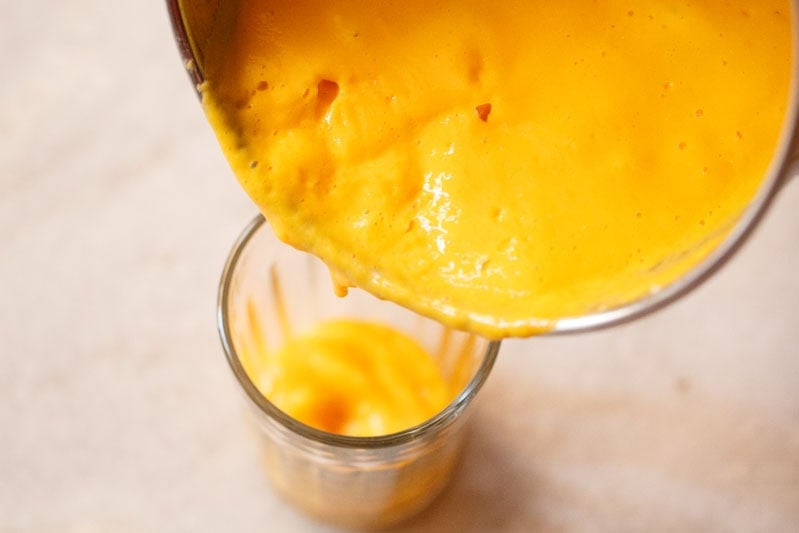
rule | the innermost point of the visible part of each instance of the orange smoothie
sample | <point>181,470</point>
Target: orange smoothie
<point>350,377</point>
<point>499,166</point>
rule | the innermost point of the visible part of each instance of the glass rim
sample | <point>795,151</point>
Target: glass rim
<point>266,407</point>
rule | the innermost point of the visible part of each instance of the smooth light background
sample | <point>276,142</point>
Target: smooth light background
<point>118,412</point>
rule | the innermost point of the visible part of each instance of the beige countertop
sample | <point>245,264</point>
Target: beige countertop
<point>117,409</point>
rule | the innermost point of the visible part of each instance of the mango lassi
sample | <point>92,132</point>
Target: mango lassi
<point>351,377</point>
<point>500,166</point>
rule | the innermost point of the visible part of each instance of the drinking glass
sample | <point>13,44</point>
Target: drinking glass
<point>270,292</point>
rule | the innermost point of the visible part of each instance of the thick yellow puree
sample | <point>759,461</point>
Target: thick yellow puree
<point>501,165</point>
<point>350,377</point>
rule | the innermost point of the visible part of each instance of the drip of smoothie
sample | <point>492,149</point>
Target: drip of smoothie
<point>500,166</point>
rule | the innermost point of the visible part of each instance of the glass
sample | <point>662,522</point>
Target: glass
<point>197,25</point>
<point>268,292</point>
